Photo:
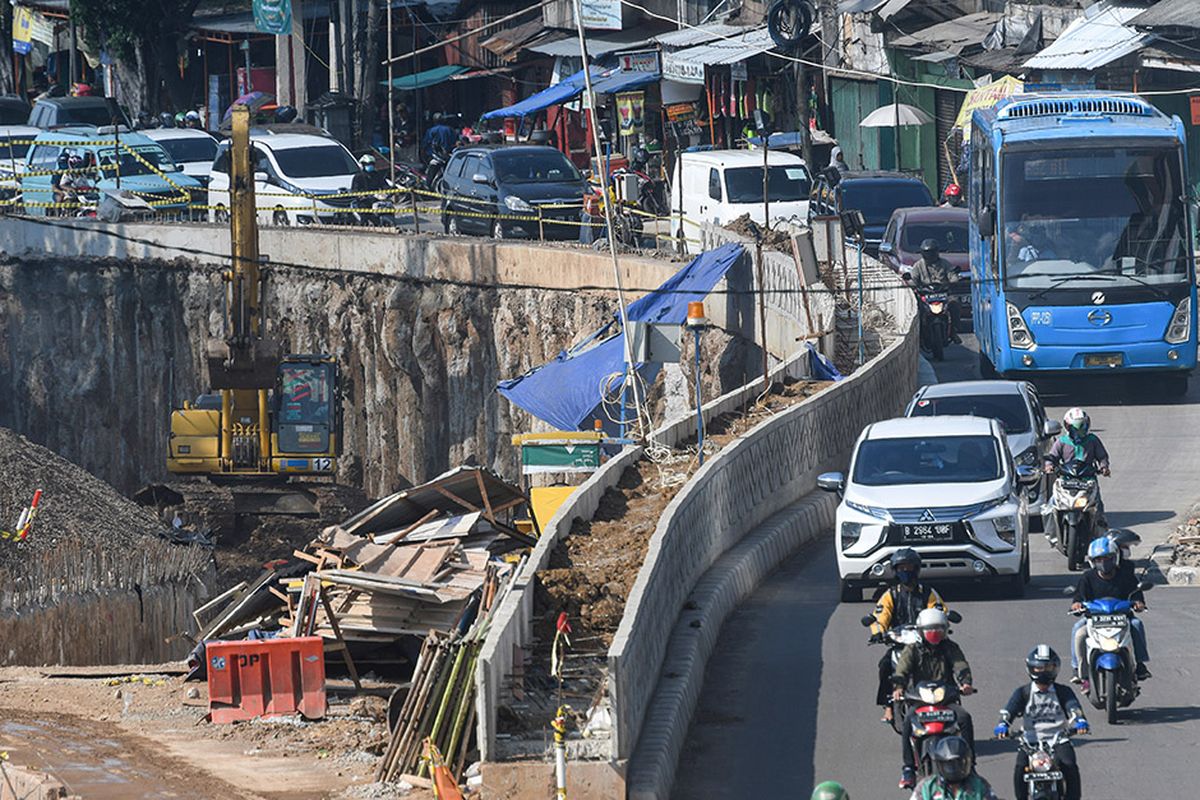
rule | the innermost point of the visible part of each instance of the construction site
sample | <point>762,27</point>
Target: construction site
<point>323,513</point>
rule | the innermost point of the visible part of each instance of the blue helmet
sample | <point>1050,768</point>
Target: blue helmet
<point>1103,554</point>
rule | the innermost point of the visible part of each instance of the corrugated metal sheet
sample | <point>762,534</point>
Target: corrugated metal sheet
<point>1169,14</point>
<point>952,36</point>
<point>1101,36</point>
<point>687,66</point>
<point>700,34</point>
<point>598,44</point>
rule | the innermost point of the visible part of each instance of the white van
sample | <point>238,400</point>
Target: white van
<point>721,185</point>
<point>299,179</point>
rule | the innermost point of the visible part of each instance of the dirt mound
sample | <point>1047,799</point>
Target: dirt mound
<point>76,507</point>
<point>774,239</point>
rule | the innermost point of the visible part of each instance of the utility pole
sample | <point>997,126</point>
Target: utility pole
<point>73,59</point>
<point>391,99</point>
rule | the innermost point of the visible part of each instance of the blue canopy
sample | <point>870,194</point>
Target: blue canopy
<point>604,81</point>
<point>566,391</point>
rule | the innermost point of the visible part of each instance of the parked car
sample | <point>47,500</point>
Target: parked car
<point>1018,408</point>
<point>15,141</point>
<point>721,185</point>
<point>908,227</point>
<point>946,487</point>
<point>147,172</point>
<point>299,179</point>
<point>484,188</point>
<point>875,194</point>
<point>13,110</point>
<point>192,149</point>
<point>55,112</point>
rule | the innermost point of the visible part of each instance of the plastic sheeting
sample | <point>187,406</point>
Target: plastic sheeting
<point>567,391</point>
<point>604,81</point>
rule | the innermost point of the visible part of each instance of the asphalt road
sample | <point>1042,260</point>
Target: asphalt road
<point>788,699</point>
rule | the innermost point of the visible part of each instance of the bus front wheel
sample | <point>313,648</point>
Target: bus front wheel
<point>987,370</point>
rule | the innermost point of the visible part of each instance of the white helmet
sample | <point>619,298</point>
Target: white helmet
<point>933,618</point>
<point>1076,419</point>
<point>367,158</point>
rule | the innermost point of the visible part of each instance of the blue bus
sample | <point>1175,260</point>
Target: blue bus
<point>1080,238</point>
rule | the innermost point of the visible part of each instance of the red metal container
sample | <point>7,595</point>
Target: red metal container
<point>266,678</point>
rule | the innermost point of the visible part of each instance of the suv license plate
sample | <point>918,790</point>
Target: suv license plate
<point>1037,777</point>
<point>941,532</point>
<point>1103,360</point>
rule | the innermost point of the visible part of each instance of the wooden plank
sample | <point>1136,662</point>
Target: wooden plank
<point>337,632</point>
<point>203,610</point>
<point>447,493</point>
<point>487,501</point>
<point>429,562</point>
<point>308,557</point>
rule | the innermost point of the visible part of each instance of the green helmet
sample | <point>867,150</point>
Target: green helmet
<point>830,790</point>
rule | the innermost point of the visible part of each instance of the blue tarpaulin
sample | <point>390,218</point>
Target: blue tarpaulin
<point>604,81</point>
<point>566,391</point>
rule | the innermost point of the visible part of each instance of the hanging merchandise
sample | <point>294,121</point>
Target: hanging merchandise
<point>751,97</point>
<point>631,111</point>
<point>766,101</point>
<point>273,16</point>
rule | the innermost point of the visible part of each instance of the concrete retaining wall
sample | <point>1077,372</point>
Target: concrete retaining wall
<point>109,627</point>
<point>21,783</point>
<point>513,625</point>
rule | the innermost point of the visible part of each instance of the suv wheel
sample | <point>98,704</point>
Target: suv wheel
<point>498,231</point>
<point>222,215</point>
<point>280,218</point>
<point>452,225</point>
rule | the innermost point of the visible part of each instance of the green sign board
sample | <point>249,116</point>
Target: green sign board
<point>560,457</point>
<point>273,16</point>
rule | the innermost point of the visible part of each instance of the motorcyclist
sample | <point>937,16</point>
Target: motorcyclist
<point>830,790</point>
<point>367,179</point>
<point>954,776</point>
<point>1048,708</point>
<point>952,197</point>
<point>1077,443</point>
<point>898,606</point>
<point>934,658</point>
<point>1105,579</point>
<point>192,120</point>
<point>931,271</point>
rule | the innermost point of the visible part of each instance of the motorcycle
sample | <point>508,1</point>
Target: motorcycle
<point>382,213</point>
<point>934,717</point>
<point>1043,773</point>
<point>651,191</point>
<point>934,303</point>
<point>436,166</point>
<point>1108,653</point>
<point>897,638</point>
<point>1070,518</point>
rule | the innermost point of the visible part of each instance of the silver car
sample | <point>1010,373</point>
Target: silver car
<point>1015,404</point>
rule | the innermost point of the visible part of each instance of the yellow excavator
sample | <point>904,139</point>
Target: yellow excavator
<point>268,415</point>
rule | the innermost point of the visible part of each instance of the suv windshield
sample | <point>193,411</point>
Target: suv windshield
<point>148,157</point>
<point>784,183</point>
<point>191,149</point>
<point>877,199</point>
<point>98,114</point>
<point>950,236</point>
<point>1116,213</point>
<point>322,161</point>
<point>934,459</point>
<point>547,167</point>
<point>1009,409</point>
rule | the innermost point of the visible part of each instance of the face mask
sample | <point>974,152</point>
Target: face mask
<point>934,635</point>
<point>1077,434</point>
<point>369,168</point>
<point>906,575</point>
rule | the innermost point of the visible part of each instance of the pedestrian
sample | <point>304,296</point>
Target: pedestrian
<point>439,138</point>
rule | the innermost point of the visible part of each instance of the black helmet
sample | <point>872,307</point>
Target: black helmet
<point>951,758</point>
<point>1042,664</point>
<point>286,114</point>
<point>166,120</point>
<point>906,555</point>
<point>930,247</point>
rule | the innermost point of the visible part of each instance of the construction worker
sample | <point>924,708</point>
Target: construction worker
<point>897,607</point>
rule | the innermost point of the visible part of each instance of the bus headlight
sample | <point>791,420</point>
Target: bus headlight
<point>1181,322</point>
<point>1019,336</point>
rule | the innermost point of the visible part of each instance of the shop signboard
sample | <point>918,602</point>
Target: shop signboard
<point>641,61</point>
<point>604,15</point>
<point>681,69</point>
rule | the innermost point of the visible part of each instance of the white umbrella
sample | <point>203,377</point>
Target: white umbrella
<point>895,115</point>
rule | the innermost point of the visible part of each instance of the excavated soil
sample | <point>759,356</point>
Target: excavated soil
<point>774,239</point>
<point>1186,540</point>
<point>76,507</point>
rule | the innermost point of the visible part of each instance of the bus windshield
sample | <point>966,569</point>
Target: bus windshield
<point>1095,216</point>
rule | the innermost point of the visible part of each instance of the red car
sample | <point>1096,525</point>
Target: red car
<point>908,227</point>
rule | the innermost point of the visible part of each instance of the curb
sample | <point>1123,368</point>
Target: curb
<point>718,592</point>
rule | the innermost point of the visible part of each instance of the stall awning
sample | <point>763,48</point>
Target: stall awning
<point>604,81</point>
<point>692,36</point>
<point>598,44</point>
<point>687,66</point>
<point>430,77</point>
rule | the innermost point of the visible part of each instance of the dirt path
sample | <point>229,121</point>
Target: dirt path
<point>149,740</point>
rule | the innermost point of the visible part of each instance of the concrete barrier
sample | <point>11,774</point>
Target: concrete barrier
<point>22,783</point>
<point>760,475</point>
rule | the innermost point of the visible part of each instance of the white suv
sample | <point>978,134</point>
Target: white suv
<point>299,179</point>
<point>946,487</point>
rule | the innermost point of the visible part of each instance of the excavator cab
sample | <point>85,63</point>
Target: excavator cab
<point>306,425</point>
<point>303,417</point>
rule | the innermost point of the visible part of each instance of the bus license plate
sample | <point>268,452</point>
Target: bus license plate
<point>1038,777</point>
<point>1103,360</point>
